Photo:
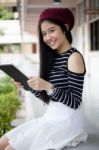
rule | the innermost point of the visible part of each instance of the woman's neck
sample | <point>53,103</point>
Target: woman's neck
<point>66,46</point>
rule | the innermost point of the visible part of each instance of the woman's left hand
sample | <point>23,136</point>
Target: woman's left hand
<point>37,83</point>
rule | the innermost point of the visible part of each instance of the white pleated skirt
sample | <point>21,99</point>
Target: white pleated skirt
<point>60,127</point>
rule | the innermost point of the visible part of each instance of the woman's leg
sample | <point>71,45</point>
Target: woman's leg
<point>3,142</point>
<point>9,147</point>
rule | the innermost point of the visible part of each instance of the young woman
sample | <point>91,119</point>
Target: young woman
<point>60,86</point>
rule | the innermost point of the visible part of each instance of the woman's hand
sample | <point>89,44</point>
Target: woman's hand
<point>37,83</point>
<point>17,84</point>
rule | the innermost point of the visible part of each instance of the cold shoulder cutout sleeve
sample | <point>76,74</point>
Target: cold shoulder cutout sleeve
<point>70,91</point>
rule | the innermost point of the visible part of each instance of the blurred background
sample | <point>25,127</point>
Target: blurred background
<point>19,46</point>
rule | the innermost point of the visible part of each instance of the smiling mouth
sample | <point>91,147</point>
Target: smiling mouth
<point>51,43</point>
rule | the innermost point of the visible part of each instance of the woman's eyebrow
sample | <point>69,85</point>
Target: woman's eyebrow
<point>48,29</point>
<point>51,28</point>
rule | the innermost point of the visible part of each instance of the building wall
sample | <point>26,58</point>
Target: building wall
<point>84,44</point>
<point>91,96</point>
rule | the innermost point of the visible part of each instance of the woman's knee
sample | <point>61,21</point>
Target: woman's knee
<point>3,142</point>
<point>9,147</point>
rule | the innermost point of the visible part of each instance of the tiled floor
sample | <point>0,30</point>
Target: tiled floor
<point>93,138</point>
<point>91,144</point>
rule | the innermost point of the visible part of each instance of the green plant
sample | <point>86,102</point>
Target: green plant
<point>9,104</point>
<point>5,14</point>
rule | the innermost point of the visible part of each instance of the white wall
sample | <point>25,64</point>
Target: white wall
<point>91,90</point>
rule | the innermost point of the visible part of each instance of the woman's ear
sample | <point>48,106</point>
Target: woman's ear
<point>67,26</point>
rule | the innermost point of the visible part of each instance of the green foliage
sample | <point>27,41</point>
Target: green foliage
<point>5,14</point>
<point>1,33</point>
<point>1,50</point>
<point>9,104</point>
<point>6,85</point>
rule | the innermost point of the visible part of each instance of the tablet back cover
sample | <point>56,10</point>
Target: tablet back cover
<point>16,74</point>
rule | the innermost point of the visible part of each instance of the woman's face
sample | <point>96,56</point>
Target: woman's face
<point>53,35</point>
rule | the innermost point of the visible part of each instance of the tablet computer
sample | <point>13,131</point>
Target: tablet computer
<point>16,74</point>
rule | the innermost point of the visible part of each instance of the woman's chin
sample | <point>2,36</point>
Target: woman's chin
<point>53,47</point>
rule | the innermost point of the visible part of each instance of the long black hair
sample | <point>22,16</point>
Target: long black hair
<point>47,55</point>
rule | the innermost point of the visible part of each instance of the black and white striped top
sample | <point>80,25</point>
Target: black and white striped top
<point>68,85</point>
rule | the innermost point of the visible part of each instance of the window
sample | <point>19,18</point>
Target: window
<point>14,9</point>
<point>94,30</point>
<point>57,1</point>
<point>10,48</point>
<point>94,5</point>
<point>34,48</point>
<point>81,12</point>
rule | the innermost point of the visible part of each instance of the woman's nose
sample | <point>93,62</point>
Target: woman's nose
<point>48,37</point>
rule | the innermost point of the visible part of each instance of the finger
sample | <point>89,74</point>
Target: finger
<point>31,80</point>
<point>31,77</point>
<point>18,84</point>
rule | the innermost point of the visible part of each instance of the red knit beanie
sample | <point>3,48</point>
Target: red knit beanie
<point>60,14</point>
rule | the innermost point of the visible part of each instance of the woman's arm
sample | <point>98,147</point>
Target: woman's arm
<point>38,85</point>
<point>76,71</point>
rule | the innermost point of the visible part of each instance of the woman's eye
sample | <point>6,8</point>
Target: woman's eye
<point>43,34</point>
<point>51,31</point>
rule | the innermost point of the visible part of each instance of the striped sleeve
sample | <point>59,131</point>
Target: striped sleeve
<point>71,97</point>
<point>37,93</point>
